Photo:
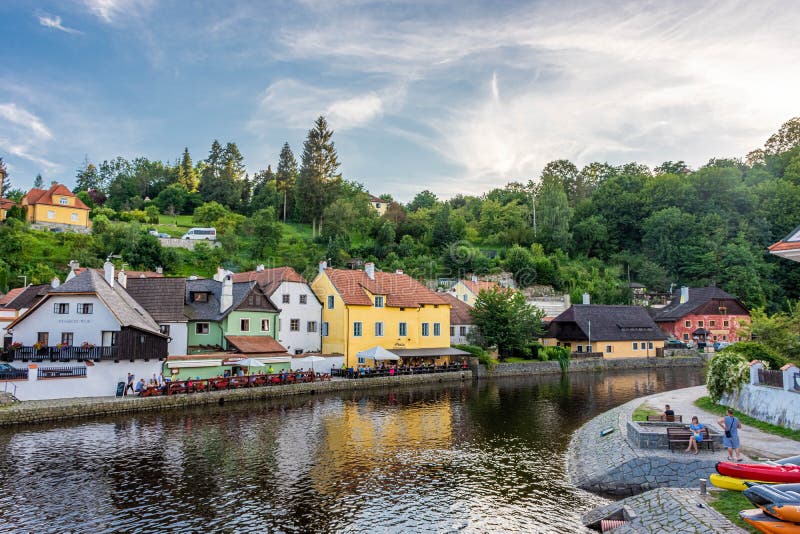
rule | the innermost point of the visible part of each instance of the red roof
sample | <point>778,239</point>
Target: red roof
<point>477,287</point>
<point>6,204</point>
<point>41,196</point>
<point>269,279</point>
<point>401,290</point>
<point>784,245</point>
<point>460,312</point>
<point>11,295</point>
<point>373,198</point>
<point>257,345</point>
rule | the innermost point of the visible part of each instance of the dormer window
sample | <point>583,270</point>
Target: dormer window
<point>200,297</point>
<point>63,201</point>
<point>379,301</point>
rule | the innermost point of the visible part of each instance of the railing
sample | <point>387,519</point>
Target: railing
<point>797,382</point>
<point>579,355</point>
<point>230,382</point>
<point>389,371</point>
<point>62,372</point>
<point>64,354</point>
<point>14,374</point>
<point>771,378</point>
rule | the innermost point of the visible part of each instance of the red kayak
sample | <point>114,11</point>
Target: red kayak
<point>764,472</point>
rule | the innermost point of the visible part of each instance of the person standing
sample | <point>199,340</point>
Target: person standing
<point>130,384</point>
<point>731,425</point>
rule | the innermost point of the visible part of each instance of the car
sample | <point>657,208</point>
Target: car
<point>5,367</point>
<point>56,230</point>
<point>162,235</point>
<point>719,345</point>
<point>675,344</point>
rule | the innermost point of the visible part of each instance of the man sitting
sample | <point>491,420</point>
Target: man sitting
<point>669,413</point>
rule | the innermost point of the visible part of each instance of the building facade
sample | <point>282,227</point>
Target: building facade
<point>703,315</point>
<point>461,322</point>
<point>468,290</point>
<point>55,206</point>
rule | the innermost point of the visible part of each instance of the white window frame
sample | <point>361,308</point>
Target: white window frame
<point>51,214</point>
<point>265,322</point>
<point>303,299</point>
<point>292,323</point>
<point>63,201</point>
<point>207,328</point>
<point>635,345</point>
<point>311,327</point>
<point>437,329</point>
<point>286,298</point>
<point>379,301</point>
<point>358,329</point>
<point>426,329</point>
<point>402,329</point>
<point>378,328</point>
<point>244,321</point>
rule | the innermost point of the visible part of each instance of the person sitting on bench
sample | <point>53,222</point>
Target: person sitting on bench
<point>697,434</point>
<point>669,413</point>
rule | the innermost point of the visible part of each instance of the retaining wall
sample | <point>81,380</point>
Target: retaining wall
<point>588,364</point>
<point>60,409</point>
<point>768,404</point>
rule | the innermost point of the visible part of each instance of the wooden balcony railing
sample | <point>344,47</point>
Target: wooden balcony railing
<point>55,354</point>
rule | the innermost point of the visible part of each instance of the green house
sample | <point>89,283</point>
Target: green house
<point>218,309</point>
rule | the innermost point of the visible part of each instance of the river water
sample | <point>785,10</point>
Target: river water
<point>485,456</point>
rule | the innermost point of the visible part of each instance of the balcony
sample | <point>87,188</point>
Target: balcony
<point>66,354</point>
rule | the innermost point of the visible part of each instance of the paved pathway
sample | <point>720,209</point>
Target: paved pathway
<point>756,444</point>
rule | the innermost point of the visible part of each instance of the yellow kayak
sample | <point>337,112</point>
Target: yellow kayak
<point>731,483</point>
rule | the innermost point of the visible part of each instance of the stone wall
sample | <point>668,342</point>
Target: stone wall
<point>588,364</point>
<point>61,409</point>
<point>768,404</point>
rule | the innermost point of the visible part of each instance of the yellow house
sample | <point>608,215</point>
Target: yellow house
<point>378,204</point>
<point>55,206</point>
<point>365,309</point>
<point>468,290</point>
<point>614,331</point>
<point>5,206</point>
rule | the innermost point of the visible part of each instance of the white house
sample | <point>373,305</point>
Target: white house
<point>461,322</point>
<point>300,318</point>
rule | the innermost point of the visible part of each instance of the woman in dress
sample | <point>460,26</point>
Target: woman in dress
<point>697,434</point>
<point>730,440</point>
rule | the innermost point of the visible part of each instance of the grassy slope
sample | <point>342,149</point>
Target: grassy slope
<point>706,404</point>
<point>644,409</point>
<point>729,504</point>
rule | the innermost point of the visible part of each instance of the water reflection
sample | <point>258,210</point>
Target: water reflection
<point>476,457</point>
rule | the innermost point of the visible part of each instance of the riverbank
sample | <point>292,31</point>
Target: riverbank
<point>587,364</point>
<point>34,412</point>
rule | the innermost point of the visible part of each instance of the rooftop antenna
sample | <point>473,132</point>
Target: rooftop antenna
<point>24,280</point>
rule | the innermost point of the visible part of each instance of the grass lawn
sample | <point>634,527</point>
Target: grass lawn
<point>706,404</point>
<point>729,504</point>
<point>644,409</point>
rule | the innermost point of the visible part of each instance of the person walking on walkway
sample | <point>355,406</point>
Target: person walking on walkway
<point>730,440</point>
<point>130,384</point>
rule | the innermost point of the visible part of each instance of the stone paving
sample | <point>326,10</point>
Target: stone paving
<point>665,510</point>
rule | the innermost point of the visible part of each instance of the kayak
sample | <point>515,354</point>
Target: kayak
<point>785,512</point>
<point>731,483</point>
<point>767,473</point>
<point>791,460</point>
<point>768,524</point>
<point>781,503</point>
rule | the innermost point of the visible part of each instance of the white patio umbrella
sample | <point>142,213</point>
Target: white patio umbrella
<point>313,359</point>
<point>378,354</point>
<point>249,362</point>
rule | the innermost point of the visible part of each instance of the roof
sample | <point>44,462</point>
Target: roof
<point>6,204</point>
<point>373,198</point>
<point>209,311</point>
<point>269,279</point>
<point>122,306</point>
<point>256,345</point>
<point>605,322</point>
<point>28,296</point>
<point>788,247</point>
<point>420,353</point>
<point>480,285</point>
<point>163,298</point>
<point>42,196</point>
<point>11,295</point>
<point>401,290</point>
<point>460,312</point>
<point>698,296</point>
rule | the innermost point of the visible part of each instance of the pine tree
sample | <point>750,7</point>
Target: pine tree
<point>38,181</point>
<point>318,177</point>
<point>87,177</point>
<point>287,174</point>
<point>5,183</point>
<point>187,176</point>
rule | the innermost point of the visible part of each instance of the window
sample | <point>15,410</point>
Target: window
<point>724,338</point>
<point>244,325</point>
<point>650,345</point>
<point>164,329</point>
<point>712,323</point>
<point>426,329</point>
<point>325,328</point>
<point>303,299</point>
<point>311,326</point>
<point>462,331</point>
<point>402,329</point>
<point>285,299</point>
<point>687,324</point>
<point>330,302</point>
<point>61,308</point>
<point>258,300</point>
<point>251,300</point>
<point>357,329</point>
<point>635,346</point>
<point>265,325</point>
<point>437,329</point>
<point>580,348</point>
<point>700,324</point>
<point>66,338</point>
<point>464,297</point>
<point>686,337</point>
<point>726,324</point>
<point>85,309</point>
<point>378,205</point>
<point>609,348</point>
<point>73,217</point>
<point>108,338</point>
<point>588,348</point>
<point>201,328</point>
<point>51,214</point>
<point>199,297</point>
<point>294,325</point>
<point>452,331</point>
<point>63,201</point>
<point>43,338</point>
<point>379,301</point>
<point>378,328</point>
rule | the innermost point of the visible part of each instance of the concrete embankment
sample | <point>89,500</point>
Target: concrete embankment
<point>588,364</point>
<point>30,412</point>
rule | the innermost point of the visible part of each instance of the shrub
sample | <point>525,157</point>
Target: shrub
<point>133,215</point>
<point>559,354</point>
<point>483,356</point>
<point>753,350</point>
<point>727,371</point>
<point>105,212</point>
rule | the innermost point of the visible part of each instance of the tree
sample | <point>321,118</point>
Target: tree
<point>520,262</point>
<point>38,181</point>
<point>786,138</point>
<point>779,332</point>
<point>266,230</point>
<point>672,167</point>
<point>87,177</point>
<point>172,199</point>
<point>5,183</point>
<point>187,177</point>
<point>286,176</point>
<point>424,199</point>
<point>318,177</point>
<point>553,215</point>
<point>506,321</point>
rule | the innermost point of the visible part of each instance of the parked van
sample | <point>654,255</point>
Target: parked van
<point>201,233</point>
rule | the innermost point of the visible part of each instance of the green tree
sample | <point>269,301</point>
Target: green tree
<point>187,177</point>
<point>318,177</point>
<point>423,199</point>
<point>38,181</point>
<point>779,332</point>
<point>266,231</point>
<point>506,321</point>
<point>209,213</point>
<point>286,175</point>
<point>172,199</point>
<point>87,178</point>
<point>553,215</point>
<point>520,262</point>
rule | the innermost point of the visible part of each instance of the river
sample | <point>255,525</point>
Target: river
<point>485,456</point>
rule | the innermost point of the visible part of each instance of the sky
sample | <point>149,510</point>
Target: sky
<point>454,97</point>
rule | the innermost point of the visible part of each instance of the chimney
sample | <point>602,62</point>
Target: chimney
<point>323,265</point>
<point>160,270</point>
<point>369,268</point>
<point>474,278</point>
<point>73,265</point>
<point>54,283</point>
<point>259,267</point>
<point>122,278</point>
<point>193,277</point>
<point>108,272</point>
<point>219,276</point>
<point>399,271</point>
<point>684,295</point>
<point>586,298</point>
<point>226,299</point>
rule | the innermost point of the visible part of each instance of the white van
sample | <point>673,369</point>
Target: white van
<point>201,233</point>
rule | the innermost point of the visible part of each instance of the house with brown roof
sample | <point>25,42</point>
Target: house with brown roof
<point>366,309</point>
<point>703,315</point>
<point>17,301</point>
<point>163,298</point>
<point>461,322</point>
<point>5,207</point>
<point>56,206</point>
<point>788,247</point>
<point>378,204</point>
<point>468,290</point>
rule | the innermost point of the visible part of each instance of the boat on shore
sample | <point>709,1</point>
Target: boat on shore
<point>763,472</point>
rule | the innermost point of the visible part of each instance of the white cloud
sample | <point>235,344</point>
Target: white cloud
<point>24,152</point>
<point>111,10</point>
<point>54,22</point>
<point>19,116</point>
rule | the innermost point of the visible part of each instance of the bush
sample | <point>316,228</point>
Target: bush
<point>133,215</point>
<point>108,213</point>
<point>559,354</point>
<point>753,350</point>
<point>483,356</point>
<point>152,214</point>
<point>727,371</point>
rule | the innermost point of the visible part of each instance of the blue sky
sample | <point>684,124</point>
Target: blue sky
<point>452,96</point>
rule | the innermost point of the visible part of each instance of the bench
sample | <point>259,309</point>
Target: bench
<point>681,436</point>
<point>665,418</point>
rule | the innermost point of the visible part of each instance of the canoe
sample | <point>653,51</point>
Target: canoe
<point>768,524</point>
<point>767,473</point>
<point>784,512</point>
<point>791,460</point>
<point>731,483</point>
<point>763,494</point>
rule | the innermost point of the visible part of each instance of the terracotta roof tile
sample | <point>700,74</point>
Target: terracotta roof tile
<point>269,278</point>
<point>11,295</point>
<point>784,245</point>
<point>401,290</point>
<point>460,312</point>
<point>480,285</point>
<point>41,196</point>
<point>6,204</point>
<point>257,345</point>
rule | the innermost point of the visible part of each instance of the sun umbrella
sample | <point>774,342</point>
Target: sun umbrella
<point>250,362</point>
<point>312,359</point>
